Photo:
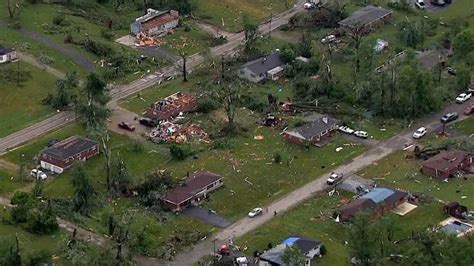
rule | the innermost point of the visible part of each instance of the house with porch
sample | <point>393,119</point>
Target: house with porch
<point>320,129</point>
<point>265,68</point>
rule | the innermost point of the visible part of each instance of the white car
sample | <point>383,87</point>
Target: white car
<point>255,212</point>
<point>346,130</point>
<point>420,4</point>
<point>333,179</point>
<point>463,97</point>
<point>308,5</point>
<point>328,39</point>
<point>361,134</point>
<point>38,174</point>
<point>419,133</point>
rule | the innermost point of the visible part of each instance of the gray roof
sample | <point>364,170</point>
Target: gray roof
<point>264,64</point>
<point>306,244</point>
<point>4,51</point>
<point>275,254</point>
<point>364,16</point>
<point>320,124</point>
<point>69,147</point>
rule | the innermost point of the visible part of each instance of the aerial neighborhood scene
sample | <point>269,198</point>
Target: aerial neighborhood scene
<point>237,132</point>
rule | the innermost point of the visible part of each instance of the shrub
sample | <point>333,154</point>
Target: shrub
<point>137,146</point>
<point>109,35</point>
<point>180,152</point>
<point>277,158</point>
<point>60,20</point>
<point>207,105</point>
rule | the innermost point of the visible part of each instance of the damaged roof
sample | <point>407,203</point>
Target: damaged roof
<point>446,160</point>
<point>195,183</point>
<point>364,16</point>
<point>69,147</point>
<point>320,124</point>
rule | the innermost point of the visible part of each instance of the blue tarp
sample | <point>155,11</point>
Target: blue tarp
<point>290,241</point>
<point>378,194</point>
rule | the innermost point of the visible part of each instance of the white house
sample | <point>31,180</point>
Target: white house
<point>155,22</point>
<point>266,68</point>
<point>7,55</point>
<point>310,249</point>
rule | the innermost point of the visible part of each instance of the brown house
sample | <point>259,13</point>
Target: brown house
<point>171,106</point>
<point>195,188</point>
<point>448,163</point>
<point>63,154</point>
<point>369,17</point>
<point>377,202</point>
<point>313,133</point>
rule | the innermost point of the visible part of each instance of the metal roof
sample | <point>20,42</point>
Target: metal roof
<point>364,16</point>
<point>378,194</point>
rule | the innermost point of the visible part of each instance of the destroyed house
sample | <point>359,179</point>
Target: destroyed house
<point>172,106</point>
<point>313,133</point>
<point>448,163</point>
<point>266,68</point>
<point>62,155</point>
<point>194,189</point>
<point>155,22</point>
<point>7,55</point>
<point>369,18</point>
<point>376,202</point>
<point>309,248</point>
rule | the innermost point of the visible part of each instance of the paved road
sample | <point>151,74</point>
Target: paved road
<point>305,192</point>
<point>71,53</point>
<point>121,91</point>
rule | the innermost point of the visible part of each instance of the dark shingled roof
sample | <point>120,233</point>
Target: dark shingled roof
<point>69,147</point>
<point>4,51</point>
<point>275,255</point>
<point>193,184</point>
<point>352,208</point>
<point>306,244</point>
<point>264,64</point>
<point>314,128</point>
<point>446,160</point>
<point>364,16</point>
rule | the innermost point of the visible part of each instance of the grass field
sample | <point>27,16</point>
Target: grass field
<point>228,14</point>
<point>7,185</point>
<point>466,126</point>
<point>312,219</point>
<point>396,171</point>
<point>21,106</point>
<point>189,42</point>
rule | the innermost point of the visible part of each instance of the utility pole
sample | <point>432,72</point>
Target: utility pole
<point>18,73</point>
<point>21,167</point>
<point>270,26</point>
<point>214,251</point>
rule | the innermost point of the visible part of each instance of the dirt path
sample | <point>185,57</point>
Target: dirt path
<point>11,167</point>
<point>211,29</point>
<point>33,61</point>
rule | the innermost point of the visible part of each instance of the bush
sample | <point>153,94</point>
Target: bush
<point>277,158</point>
<point>109,35</point>
<point>180,152</point>
<point>207,105</point>
<point>137,146</point>
<point>223,143</point>
<point>60,20</point>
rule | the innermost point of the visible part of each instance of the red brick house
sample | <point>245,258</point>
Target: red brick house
<point>313,133</point>
<point>171,106</point>
<point>193,191</point>
<point>448,163</point>
<point>62,155</point>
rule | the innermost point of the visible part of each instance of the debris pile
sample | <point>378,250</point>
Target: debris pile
<point>168,132</point>
<point>172,106</point>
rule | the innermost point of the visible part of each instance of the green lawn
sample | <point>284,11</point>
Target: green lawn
<point>228,14</point>
<point>312,219</point>
<point>379,130</point>
<point>7,184</point>
<point>466,126</point>
<point>396,171</point>
<point>189,42</point>
<point>21,105</point>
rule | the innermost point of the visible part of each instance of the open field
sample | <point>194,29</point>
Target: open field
<point>466,126</point>
<point>312,219</point>
<point>21,106</point>
<point>228,14</point>
<point>7,185</point>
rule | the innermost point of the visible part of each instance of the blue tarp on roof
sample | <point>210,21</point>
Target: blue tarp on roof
<point>290,241</point>
<point>378,194</point>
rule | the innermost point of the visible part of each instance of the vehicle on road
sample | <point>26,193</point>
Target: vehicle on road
<point>38,174</point>
<point>334,179</point>
<point>438,2</point>
<point>449,117</point>
<point>126,126</point>
<point>469,110</point>
<point>451,71</point>
<point>147,122</point>
<point>420,4</point>
<point>346,130</point>
<point>255,212</point>
<point>361,134</point>
<point>463,97</point>
<point>328,39</point>
<point>308,5</point>
<point>419,133</point>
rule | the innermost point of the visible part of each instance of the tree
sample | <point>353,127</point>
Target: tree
<point>14,7</point>
<point>305,46</point>
<point>23,202</point>
<point>155,187</point>
<point>464,42</point>
<point>410,33</point>
<point>120,178</point>
<point>229,94</point>
<point>251,30</point>
<point>293,256</point>
<point>84,192</point>
<point>92,107</point>
<point>65,91</point>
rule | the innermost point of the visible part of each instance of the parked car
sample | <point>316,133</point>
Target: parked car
<point>346,130</point>
<point>449,117</point>
<point>38,174</point>
<point>469,110</point>
<point>420,4</point>
<point>438,2</point>
<point>126,126</point>
<point>451,71</point>
<point>419,133</point>
<point>334,179</point>
<point>361,134</point>
<point>328,39</point>
<point>145,121</point>
<point>308,5</point>
<point>463,97</point>
<point>255,212</point>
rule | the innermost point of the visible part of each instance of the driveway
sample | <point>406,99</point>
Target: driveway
<point>352,182</point>
<point>205,216</point>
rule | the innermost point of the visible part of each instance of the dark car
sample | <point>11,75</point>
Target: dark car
<point>147,122</point>
<point>449,117</point>
<point>126,126</point>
